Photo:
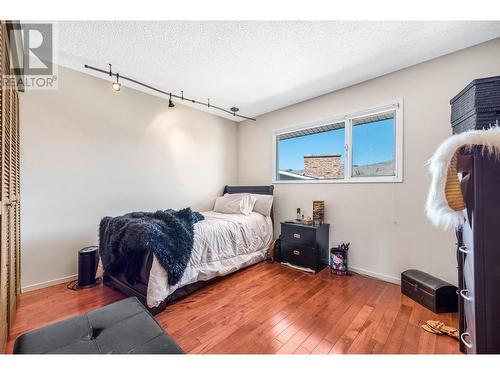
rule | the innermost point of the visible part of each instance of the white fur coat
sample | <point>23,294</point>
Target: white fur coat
<point>437,208</point>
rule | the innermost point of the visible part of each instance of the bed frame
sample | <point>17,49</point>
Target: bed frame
<point>139,289</point>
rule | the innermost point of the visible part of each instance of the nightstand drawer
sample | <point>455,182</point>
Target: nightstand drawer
<point>299,255</point>
<point>298,235</point>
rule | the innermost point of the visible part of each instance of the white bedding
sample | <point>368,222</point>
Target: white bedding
<point>223,243</point>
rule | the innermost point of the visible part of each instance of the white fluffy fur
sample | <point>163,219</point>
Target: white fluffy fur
<point>436,207</point>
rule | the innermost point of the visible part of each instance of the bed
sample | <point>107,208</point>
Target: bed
<point>223,244</point>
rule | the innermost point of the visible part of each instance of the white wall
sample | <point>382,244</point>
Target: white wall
<point>385,223</point>
<point>88,152</point>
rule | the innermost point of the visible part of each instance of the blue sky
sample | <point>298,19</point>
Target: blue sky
<point>372,143</point>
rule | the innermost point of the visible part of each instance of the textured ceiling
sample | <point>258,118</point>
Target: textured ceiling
<point>261,66</point>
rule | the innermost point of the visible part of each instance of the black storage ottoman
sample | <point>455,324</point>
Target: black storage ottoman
<point>123,327</point>
<point>431,292</point>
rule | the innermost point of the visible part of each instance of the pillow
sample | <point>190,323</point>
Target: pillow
<point>262,205</point>
<point>232,204</point>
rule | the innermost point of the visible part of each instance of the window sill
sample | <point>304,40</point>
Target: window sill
<point>354,180</point>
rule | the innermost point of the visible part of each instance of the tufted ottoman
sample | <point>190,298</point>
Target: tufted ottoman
<point>123,327</point>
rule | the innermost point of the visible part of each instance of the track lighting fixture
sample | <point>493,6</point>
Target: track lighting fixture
<point>117,86</point>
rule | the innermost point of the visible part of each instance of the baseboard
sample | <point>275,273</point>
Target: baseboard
<point>45,284</point>
<point>361,271</point>
<point>376,275</point>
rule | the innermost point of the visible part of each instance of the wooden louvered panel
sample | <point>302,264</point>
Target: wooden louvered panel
<point>11,299</point>
<point>17,210</point>
<point>9,195</point>
<point>15,144</point>
<point>11,209</point>
<point>5,194</point>
<point>7,148</point>
<point>17,228</point>
<point>3,248</point>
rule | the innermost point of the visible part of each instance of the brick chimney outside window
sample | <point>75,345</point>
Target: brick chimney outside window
<point>323,166</point>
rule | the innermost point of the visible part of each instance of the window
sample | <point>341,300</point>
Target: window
<point>314,153</point>
<point>373,145</point>
<point>364,147</point>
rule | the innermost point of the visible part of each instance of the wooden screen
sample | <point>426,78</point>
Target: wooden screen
<point>10,191</point>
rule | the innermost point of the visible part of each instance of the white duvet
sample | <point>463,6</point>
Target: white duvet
<point>223,243</point>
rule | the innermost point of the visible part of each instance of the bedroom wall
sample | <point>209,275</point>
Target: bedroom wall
<point>88,152</point>
<point>384,222</point>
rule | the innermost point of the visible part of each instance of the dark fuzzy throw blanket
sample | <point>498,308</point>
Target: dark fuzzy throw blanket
<point>125,240</point>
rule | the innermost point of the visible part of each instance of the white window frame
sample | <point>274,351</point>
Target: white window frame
<point>396,106</point>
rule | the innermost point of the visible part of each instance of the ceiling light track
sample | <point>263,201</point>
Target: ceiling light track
<point>117,85</point>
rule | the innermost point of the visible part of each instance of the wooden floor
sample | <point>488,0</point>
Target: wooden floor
<point>269,308</point>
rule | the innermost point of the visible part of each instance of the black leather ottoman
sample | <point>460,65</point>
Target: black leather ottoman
<point>124,327</point>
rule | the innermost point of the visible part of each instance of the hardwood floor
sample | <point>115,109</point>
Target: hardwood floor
<point>269,308</point>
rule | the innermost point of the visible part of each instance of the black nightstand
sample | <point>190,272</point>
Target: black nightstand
<point>305,245</point>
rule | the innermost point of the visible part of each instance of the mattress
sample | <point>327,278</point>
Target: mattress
<point>223,243</point>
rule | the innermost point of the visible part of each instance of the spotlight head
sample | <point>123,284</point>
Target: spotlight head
<point>116,85</point>
<point>170,102</point>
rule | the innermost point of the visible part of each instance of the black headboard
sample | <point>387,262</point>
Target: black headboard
<point>266,190</point>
